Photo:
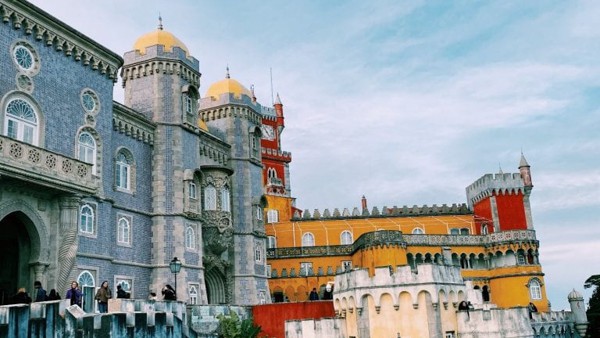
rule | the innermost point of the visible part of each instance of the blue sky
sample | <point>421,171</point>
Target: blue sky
<point>408,103</point>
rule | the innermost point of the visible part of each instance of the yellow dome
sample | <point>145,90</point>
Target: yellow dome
<point>159,37</point>
<point>202,125</point>
<point>227,86</point>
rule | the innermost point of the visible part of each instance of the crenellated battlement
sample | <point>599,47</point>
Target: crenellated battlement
<point>277,154</point>
<point>432,278</point>
<point>415,210</point>
<point>494,184</point>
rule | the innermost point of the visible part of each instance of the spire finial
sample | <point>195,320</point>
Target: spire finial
<point>500,169</point>
<point>227,74</point>
<point>160,25</point>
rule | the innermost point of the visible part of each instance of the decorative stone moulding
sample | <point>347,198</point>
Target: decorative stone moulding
<point>63,38</point>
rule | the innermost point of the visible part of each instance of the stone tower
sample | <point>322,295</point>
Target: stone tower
<point>578,310</point>
<point>231,113</point>
<point>161,81</point>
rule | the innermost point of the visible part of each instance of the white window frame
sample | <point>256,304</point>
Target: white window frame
<point>193,292</point>
<point>305,267</point>
<point>122,172</point>
<point>124,230</point>
<point>535,289</point>
<point>259,213</point>
<point>273,216</point>
<point>344,239</point>
<point>308,239</point>
<point>271,242</point>
<point>190,237</point>
<point>89,222</point>
<point>24,129</point>
<point>86,151</point>
<point>87,274</point>
<point>418,231</point>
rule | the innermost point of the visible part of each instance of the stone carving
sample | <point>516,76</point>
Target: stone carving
<point>69,207</point>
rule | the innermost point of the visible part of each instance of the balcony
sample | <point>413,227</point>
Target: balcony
<point>35,165</point>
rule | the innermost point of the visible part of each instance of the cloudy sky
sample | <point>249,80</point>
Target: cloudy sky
<point>408,103</point>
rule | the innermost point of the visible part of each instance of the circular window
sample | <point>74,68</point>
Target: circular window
<point>89,101</point>
<point>25,57</point>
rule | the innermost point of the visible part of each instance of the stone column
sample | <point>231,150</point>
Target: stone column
<point>39,270</point>
<point>67,250</point>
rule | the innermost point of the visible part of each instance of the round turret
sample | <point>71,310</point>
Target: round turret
<point>574,295</point>
<point>228,85</point>
<point>159,37</point>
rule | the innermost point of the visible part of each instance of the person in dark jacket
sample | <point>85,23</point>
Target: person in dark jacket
<point>122,293</point>
<point>314,295</point>
<point>40,293</point>
<point>169,293</point>
<point>53,295</point>
<point>21,297</point>
<point>74,294</point>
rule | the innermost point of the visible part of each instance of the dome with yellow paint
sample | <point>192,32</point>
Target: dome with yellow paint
<point>159,37</point>
<point>228,85</point>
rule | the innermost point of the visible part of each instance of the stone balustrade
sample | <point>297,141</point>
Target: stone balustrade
<point>27,162</point>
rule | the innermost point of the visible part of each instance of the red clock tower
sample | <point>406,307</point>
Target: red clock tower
<point>276,173</point>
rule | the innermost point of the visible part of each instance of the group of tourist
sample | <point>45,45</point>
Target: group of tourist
<point>22,297</point>
<point>75,295</point>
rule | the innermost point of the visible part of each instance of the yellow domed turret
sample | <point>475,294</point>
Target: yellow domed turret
<point>228,85</point>
<point>202,125</point>
<point>159,37</point>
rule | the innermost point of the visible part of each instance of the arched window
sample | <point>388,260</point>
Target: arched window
<point>271,242</point>
<point>484,229</point>
<point>535,289</point>
<point>86,279</point>
<point>123,231</point>
<point>225,199</point>
<point>308,239</point>
<point>210,198</point>
<point>87,149</point>
<point>86,219</point>
<point>21,121</point>
<point>123,171</point>
<point>271,173</point>
<point>259,213</point>
<point>464,231</point>
<point>418,231</point>
<point>454,231</point>
<point>190,238</point>
<point>346,237</point>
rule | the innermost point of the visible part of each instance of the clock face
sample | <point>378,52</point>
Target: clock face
<point>268,132</point>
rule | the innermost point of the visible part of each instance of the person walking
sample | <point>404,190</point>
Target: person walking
<point>21,297</point>
<point>53,295</point>
<point>314,295</point>
<point>102,296</point>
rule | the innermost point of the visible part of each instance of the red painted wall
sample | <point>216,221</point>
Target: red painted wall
<point>271,317</point>
<point>511,212</point>
<point>483,213</point>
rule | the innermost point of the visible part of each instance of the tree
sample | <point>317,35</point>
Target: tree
<point>231,327</point>
<point>593,311</point>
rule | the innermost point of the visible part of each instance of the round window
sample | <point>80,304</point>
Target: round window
<point>89,101</point>
<point>23,57</point>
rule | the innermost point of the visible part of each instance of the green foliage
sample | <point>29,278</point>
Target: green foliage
<point>232,327</point>
<point>593,311</point>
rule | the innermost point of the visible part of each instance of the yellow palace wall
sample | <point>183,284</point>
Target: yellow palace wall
<point>507,284</point>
